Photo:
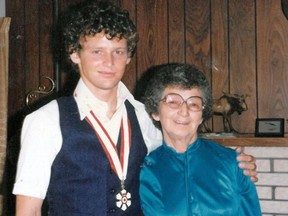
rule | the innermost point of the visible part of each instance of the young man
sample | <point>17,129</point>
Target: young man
<point>83,153</point>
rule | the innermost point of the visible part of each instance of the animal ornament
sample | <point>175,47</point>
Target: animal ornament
<point>225,106</point>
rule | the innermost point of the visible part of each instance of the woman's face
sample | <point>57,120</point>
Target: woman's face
<point>180,122</point>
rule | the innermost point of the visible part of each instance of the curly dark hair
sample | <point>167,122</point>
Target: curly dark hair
<point>91,17</point>
<point>183,76</point>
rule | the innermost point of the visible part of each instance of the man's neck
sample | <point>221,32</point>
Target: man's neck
<point>110,97</point>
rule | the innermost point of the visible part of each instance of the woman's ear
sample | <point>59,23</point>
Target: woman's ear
<point>75,58</point>
<point>155,116</point>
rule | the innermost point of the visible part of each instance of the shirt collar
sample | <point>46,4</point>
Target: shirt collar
<point>86,101</point>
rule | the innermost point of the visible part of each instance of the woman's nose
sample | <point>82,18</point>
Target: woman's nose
<point>184,110</point>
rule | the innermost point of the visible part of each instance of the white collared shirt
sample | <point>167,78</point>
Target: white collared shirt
<point>41,137</point>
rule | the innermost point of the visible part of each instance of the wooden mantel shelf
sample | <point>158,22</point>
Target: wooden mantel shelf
<point>250,140</point>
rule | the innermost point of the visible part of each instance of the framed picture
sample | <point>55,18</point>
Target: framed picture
<point>269,127</point>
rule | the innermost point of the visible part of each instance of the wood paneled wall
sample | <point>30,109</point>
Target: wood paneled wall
<point>4,55</point>
<point>240,45</point>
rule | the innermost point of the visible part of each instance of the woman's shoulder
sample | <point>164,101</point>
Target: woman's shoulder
<point>219,149</point>
<point>155,157</point>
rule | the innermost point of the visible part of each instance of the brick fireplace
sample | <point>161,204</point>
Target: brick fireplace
<point>272,166</point>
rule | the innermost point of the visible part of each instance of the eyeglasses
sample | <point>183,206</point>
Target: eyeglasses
<point>175,101</point>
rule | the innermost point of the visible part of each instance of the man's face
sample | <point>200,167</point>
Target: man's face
<point>101,62</point>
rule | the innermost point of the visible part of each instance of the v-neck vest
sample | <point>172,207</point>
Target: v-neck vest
<point>82,181</point>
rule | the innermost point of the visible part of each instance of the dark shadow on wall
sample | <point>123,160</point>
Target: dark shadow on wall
<point>284,6</point>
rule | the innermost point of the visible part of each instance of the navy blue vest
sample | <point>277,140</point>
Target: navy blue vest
<point>82,181</point>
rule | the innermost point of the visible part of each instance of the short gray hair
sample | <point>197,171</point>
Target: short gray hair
<point>183,76</point>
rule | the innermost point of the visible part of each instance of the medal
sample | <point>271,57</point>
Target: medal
<point>123,198</point>
<point>119,165</point>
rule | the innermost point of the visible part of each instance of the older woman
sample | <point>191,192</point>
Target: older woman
<point>189,175</point>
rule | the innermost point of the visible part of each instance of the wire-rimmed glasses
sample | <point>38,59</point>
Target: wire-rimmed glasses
<point>175,101</point>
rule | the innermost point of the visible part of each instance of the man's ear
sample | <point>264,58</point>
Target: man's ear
<point>201,121</point>
<point>75,58</point>
<point>155,116</point>
<point>128,60</point>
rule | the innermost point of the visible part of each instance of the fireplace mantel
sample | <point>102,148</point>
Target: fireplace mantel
<point>250,140</point>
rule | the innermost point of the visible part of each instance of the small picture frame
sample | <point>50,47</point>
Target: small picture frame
<point>269,127</point>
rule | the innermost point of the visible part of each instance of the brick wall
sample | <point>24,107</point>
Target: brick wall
<point>272,187</point>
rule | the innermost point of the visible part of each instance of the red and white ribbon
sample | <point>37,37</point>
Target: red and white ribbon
<point>119,165</point>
